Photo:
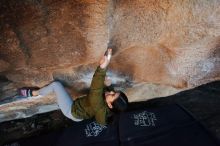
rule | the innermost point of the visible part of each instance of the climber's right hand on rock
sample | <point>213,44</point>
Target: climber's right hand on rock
<point>104,62</point>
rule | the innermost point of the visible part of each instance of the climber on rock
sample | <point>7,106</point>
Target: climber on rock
<point>100,103</point>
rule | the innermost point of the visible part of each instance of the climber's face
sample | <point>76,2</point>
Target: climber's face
<point>110,97</point>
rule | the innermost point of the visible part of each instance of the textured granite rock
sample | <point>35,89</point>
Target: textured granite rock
<point>164,45</point>
<point>3,65</point>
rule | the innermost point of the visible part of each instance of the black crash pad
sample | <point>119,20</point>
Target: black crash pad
<point>165,126</point>
<point>85,133</point>
<point>89,133</point>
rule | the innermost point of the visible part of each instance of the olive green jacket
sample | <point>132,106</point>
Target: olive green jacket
<point>93,105</point>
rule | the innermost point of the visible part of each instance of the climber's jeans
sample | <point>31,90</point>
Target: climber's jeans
<point>63,98</point>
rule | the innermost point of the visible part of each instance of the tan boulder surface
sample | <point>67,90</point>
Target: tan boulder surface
<point>160,47</point>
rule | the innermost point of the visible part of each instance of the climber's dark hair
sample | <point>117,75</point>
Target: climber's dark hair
<point>121,103</point>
